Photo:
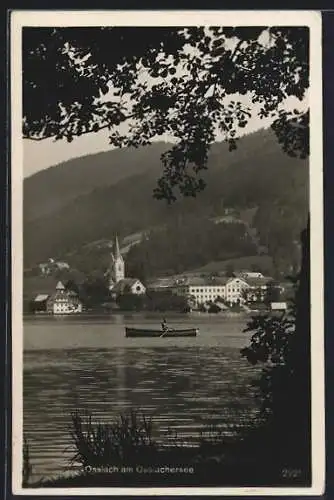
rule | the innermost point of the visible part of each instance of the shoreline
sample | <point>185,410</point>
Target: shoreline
<point>148,314</point>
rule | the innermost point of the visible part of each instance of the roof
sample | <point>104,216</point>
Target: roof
<point>162,283</point>
<point>248,274</point>
<point>222,306</point>
<point>198,281</point>
<point>41,297</point>
<point>68,295</point>
<point>252,274</point>
<point>237,278</point>
<point>60,286</point>
<point>124,285</point>
<point>258,281</point>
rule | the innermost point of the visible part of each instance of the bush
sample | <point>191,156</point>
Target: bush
<point>121,442</point>
<point>278,344</point>
<point>131,302</point>
<point>213,308</point>
<point>166,301</point>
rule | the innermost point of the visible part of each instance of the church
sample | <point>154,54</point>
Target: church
<point>118,283</point>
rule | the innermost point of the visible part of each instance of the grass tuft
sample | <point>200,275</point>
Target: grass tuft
<point>119,442</point>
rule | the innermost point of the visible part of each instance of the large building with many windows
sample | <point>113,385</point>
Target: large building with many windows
<point>204,290</point>
<point>232,290</point>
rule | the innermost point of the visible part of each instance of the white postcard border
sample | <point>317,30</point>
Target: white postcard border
<point>312,19</point>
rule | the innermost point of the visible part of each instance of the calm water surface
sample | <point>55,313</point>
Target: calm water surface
<point>87,363</point>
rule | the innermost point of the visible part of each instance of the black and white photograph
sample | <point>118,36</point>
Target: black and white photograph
<point>167,253</point>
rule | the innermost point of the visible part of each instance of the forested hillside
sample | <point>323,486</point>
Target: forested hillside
<point>119,198</point>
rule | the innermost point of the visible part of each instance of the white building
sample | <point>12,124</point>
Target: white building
<point>201,290</point>
<point>131,286</point>
<point>49,267</point>
<point>234,290</point>
<point>204,290</point>
<point>278,306</point>
<point>64,301</point>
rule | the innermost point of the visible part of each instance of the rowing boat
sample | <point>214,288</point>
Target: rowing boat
<point>145,332</point>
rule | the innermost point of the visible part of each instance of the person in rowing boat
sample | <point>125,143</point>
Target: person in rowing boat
<point>164,326</point>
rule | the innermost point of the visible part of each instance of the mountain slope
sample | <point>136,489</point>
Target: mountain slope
<point>49,190</point>
<point>258,174</point>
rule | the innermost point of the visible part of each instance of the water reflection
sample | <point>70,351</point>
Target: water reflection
<point>184,386</point>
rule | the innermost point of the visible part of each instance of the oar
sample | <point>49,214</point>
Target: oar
<point>167,331</point>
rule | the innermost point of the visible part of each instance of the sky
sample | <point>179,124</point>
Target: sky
<point>38,155</point>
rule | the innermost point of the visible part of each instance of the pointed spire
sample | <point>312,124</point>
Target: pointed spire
<point>117,252</point>
<point>60,286</point>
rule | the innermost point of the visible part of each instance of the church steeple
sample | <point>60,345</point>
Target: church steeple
<point>117,253</point>
<point>117,271</point>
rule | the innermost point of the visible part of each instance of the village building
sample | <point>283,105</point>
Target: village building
<point>126,286</point>
<point>118,283</point>
<point>278,306</point>
<point>40,303</point>
<point>233,290</point>
<point>49,267</point>
<point>202,290</point>
<point>249,274</point>
<point>258,288</point>
<point>62,301</point>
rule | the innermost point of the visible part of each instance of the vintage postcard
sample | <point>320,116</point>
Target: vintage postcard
<point>167,250</point>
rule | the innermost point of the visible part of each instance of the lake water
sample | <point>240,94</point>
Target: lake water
<point>87,363</point>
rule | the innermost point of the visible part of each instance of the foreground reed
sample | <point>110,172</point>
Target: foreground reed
<point>119,442</point>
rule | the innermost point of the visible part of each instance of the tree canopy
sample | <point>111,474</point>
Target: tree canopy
<point>184,82</point>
